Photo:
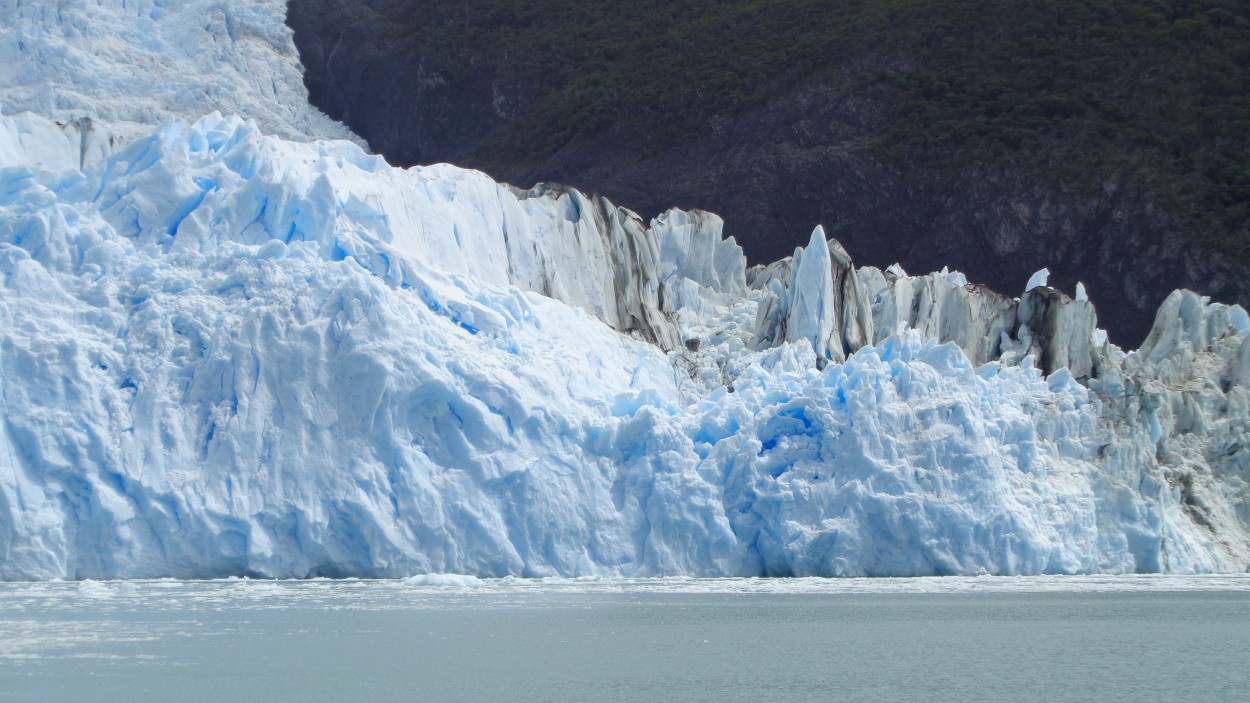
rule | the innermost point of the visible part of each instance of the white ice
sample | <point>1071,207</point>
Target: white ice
<point>114,69</point>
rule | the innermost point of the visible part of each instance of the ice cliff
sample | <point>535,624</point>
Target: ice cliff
<point>229,346</point>
<point>111,70</point>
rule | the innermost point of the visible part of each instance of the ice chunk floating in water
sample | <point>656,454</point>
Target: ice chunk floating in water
<point>227,353</point>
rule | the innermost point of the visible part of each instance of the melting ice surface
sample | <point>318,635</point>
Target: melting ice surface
<point>225,352</point>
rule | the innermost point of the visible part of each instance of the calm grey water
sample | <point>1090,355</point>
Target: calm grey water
<point>1117,639</point>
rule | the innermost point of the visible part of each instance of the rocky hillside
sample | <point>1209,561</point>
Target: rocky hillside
<point>1105,139</point>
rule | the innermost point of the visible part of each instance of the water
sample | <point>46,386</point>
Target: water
<point>456,639</point>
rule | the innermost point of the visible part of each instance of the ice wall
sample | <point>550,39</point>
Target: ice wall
<point>119,68</point>
<point>225,353</point>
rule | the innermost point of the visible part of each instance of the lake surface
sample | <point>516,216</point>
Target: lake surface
<point>458,639</point>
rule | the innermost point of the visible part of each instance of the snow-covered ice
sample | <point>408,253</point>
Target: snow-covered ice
<point>228,347</point>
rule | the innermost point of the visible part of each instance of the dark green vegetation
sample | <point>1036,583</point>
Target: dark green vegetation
<point>1152,92</point>
<point>665,65</point>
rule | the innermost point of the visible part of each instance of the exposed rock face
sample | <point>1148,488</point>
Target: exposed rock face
<point>802,160</point>
<point>357,75</point>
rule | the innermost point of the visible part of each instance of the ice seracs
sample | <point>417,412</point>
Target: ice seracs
<point>1037,280</point>
<point>816,299</point>
<point>973,317</point>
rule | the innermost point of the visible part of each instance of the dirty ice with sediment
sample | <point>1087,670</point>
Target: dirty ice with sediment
<point>232,342</point>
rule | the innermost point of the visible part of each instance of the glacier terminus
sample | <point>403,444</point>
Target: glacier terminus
<point>232,342</point>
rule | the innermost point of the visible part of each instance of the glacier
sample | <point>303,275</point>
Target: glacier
<point>232,342</point>
<point>110,70</point>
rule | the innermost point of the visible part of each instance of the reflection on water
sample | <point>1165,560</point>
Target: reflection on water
<point>447,638</point>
